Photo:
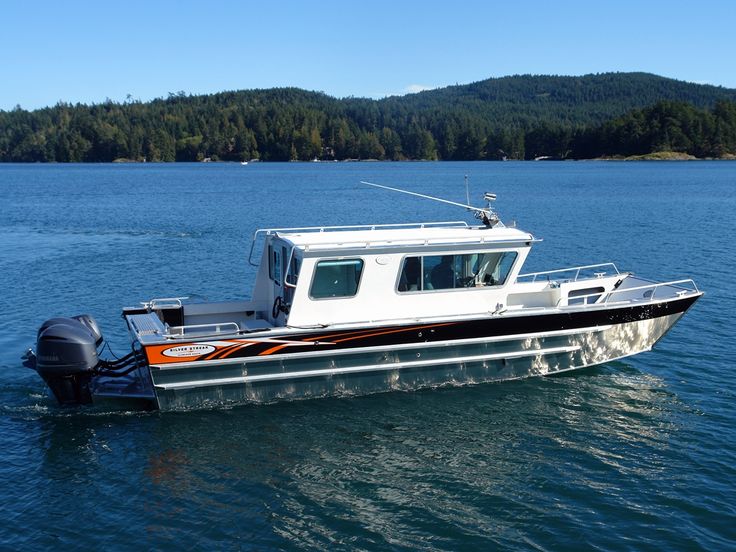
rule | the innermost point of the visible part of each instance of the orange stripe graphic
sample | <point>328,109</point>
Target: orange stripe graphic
<point>357,335</point>
<point>272,350</point>
<point>155,356</point>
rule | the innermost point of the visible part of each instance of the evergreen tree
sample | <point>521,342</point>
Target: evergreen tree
<point>521,117</point>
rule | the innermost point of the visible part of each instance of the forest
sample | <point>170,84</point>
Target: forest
<point>518,117</point>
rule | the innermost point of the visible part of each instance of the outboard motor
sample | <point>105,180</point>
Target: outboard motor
<point>67,357</point>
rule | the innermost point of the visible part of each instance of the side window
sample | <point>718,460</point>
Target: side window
<point>471,270</point>
<point>411,274</point>
<point>338,278</point>
<point>292,275</point>
<point>504,267</point>
<point>441,271</point>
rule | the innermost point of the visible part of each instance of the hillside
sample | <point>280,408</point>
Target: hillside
<point>511,117</point>
<point>586,100</point>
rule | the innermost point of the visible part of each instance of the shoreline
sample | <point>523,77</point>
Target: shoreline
<point>658,156</point>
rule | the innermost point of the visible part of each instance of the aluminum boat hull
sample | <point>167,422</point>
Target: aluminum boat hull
<point>380,359</point>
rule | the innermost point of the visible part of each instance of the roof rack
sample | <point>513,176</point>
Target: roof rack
<point>387,244</point>
<point>270,231</point>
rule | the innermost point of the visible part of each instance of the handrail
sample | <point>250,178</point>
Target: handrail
<point>363,226</point>
<point>404,242</point>
<point>182,330</point>
<point>560,270</point>
<point>653,287</point>
<point>673,283</point>
<point>163,302</point>
<point>288,269</point>
<point>317,229</point>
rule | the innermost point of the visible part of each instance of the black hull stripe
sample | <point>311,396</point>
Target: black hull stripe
<point>488,327</point>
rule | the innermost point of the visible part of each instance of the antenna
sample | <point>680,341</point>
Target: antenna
<point>487,216</point>
<point>467,190</point>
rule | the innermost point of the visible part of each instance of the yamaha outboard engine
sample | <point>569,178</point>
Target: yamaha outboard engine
<point>67,357</point>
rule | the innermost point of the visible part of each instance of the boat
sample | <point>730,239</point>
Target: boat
<point>358,309</point>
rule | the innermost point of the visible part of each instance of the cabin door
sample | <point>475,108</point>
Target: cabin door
<point>277,277</point>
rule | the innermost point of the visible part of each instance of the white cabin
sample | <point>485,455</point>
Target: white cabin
<point>339,275</point>
<point>385,274</point>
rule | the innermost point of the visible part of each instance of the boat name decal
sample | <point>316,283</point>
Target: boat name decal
<point>188,351</point>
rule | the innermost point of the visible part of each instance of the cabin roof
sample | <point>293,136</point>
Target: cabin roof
<point>392,237</point>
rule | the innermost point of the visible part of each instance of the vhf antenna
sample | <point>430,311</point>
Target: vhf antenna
<point>487,216</point>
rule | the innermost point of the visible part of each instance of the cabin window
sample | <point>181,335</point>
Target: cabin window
<point>270,262</point>
<point>471,270</point>
<point>338,278</point>
<point>291,278</point>
<point>411,275</point>
<point>276,266</point>
<point>284,260</point>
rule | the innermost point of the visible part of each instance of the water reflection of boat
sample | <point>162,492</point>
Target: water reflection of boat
<point>362,309</point>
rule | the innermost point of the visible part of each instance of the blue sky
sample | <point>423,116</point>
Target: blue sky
<point>81,51</point>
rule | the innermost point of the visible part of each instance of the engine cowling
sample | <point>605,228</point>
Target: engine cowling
<point>67,357</point>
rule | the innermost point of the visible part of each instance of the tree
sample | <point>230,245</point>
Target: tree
<point>509,118</point>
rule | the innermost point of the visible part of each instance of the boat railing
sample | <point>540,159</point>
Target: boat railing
<point>649,291</point>
<point>270,231</point>
<point>215,328</point>
<point>681,288</point>
<point>578,270</point>
<point>164,303</point>
<point>391,244</point>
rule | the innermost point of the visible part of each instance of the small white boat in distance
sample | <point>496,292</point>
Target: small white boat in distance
<point>347,310</point>
<point>243,162</point>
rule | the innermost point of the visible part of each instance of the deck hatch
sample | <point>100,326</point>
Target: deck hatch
<point>145,324</point>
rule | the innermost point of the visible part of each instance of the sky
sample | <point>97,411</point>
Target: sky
<point>84,51</point>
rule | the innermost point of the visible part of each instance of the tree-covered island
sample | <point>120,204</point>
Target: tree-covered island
<point>617,115</point>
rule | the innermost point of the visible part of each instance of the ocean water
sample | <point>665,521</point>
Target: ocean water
<point>638,454</point>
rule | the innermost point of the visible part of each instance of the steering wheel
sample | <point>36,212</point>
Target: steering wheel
<point>279,306</point>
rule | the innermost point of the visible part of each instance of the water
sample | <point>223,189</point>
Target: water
<point>634,455</point>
